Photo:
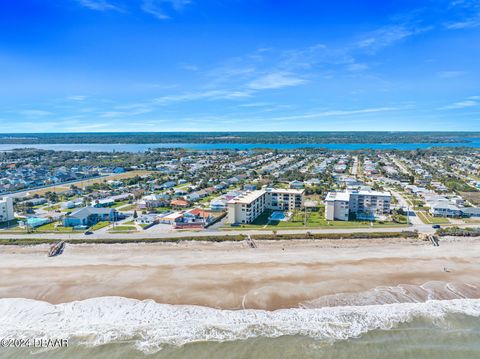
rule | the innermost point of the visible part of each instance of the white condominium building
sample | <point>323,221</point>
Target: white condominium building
<point>6,209</point>
<point>246,207</point>
<point>367,204</point>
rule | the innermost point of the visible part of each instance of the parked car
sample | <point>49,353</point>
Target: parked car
<point>436,226</point>
<point>88,233</point>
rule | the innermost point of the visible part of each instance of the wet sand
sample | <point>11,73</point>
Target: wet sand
<point>278,274</point>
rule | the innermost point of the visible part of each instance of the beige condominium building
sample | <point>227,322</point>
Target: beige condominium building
<point>360,204</point>
<point>246,207</point>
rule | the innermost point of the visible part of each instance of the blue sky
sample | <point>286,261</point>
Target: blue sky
<point>239,65</point>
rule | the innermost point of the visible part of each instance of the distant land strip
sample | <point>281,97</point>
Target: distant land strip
<point>238,137</point>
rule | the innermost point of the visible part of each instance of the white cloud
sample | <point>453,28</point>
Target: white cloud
<point>99,5</point>
<point>451,74</point>
<point>255,104</point>
<point>161,9</point>
<point>470,102</point>
<point>315,56</point>
<point>189,67</point>
<point>356,67</point>
<point>127,110</point>
<point>469,23</point>
<point>34,113</point>
<point>202,95</point>
<point>77,98</point>
<point>389,35</point>
<point>276,80</point>
<point>469,12</point>
<point>330,113</point>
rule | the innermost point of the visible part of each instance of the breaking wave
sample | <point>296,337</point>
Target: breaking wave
<point>150,325</point>
<point>402,293</point>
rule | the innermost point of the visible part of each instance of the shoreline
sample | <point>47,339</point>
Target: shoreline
<point>230,275</point>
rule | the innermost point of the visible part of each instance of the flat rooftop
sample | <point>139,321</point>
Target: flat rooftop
<point>250,196</point>
<point>247,197</point>
<point>337,196</point>
<point>285,190</point>
<point>345,195</point>
<point>371,193</point>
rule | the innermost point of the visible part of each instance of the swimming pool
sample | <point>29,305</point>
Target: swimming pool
<point>36,222</point>
<point>277,216</point>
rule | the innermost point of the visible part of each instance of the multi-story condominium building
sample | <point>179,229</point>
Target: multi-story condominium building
<point>361,204</point>
<point>6,209</point>
<point>246,207</point>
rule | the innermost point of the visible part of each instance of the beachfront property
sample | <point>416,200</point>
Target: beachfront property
<point>89,216</point>
<point>147,219</point>
<point>449,209</point>
<point>6,209</point>
<point>445,209</point>
<point>193,219</point>
<point>359,204</point>
<point>246,207</point>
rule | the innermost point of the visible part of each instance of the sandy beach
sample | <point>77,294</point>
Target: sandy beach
<point>229,275</point>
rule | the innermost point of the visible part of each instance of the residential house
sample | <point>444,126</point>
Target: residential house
<point>218,205</point>
<point>89,216</point>
<point>147,219</point>
<point>102,203</point>
<point>192,197</point>
<point>296,184</point>
<point>72,204</point>
<point>195,218</point>
<point>168,184</point>
<point>445,209</point>
<point>179,203</point>
<point>153,201</point>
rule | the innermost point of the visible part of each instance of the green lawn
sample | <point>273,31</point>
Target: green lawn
<point>427,218</point>
<point>414,202</point>
<point>99,225</point>
<point>55,207</point>
<point>119,204</point>
<point>51,227</point>
<point>128,208</point>
<point>314,220</point>
<point>208,198</point>
<point>182,186</point>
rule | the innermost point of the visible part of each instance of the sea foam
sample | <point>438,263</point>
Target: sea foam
<point>150,325</point>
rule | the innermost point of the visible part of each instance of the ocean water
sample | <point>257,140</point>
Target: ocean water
<point>115,327</point>
<point>142,147</point>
